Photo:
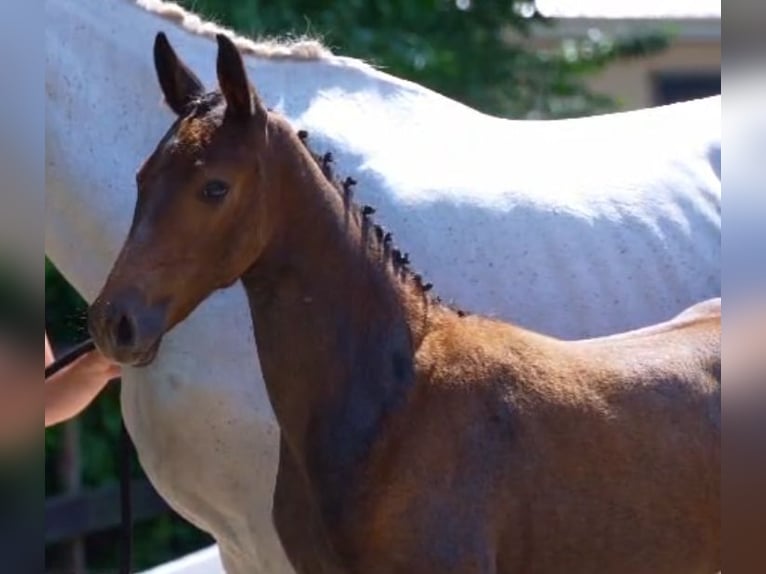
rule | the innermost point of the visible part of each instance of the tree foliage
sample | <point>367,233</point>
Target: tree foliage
<point>475,51</point>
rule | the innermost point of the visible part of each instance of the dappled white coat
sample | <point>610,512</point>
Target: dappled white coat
<point>575,228</point>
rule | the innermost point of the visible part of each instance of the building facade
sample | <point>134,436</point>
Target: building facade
<point>690,68</point>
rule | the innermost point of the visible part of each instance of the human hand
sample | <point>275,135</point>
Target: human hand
<point>93,366</point>
<point>73,388</point>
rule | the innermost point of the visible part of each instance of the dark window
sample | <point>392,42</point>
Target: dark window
<point>670,87</point>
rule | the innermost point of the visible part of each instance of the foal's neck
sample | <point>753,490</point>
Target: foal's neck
<point>336,324</point>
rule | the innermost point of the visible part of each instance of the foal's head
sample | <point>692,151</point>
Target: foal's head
<point>207,205</point>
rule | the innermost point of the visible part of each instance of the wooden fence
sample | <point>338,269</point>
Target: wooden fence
<point>71,516</point>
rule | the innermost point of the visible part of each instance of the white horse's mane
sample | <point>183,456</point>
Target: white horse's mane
<point>297,48</point>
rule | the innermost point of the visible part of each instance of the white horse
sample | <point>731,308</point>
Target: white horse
<point>575,228</point>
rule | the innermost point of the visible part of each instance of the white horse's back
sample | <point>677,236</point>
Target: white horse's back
<point>576,228</point>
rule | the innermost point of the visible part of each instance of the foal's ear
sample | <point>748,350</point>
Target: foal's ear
<point>241,99</point>
<point>179,84</point>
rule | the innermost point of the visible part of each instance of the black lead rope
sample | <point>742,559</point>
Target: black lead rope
<point>68,358</point>
<point>126,508</point>
<point>126,451</point>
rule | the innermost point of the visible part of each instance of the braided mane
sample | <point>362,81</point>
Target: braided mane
<point>382,238</point>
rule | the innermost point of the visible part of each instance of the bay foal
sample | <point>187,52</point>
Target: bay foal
<point>414,438</point>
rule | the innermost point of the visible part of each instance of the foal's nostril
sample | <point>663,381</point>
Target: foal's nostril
<point>124,334</point>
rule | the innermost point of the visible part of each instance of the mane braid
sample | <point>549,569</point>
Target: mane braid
<point>400,261</point>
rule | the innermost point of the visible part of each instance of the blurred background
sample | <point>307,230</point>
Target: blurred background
<point>508,58</point>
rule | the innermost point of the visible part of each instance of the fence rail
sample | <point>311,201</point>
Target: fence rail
<point>69,516</point>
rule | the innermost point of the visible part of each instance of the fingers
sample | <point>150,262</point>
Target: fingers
<point>113,372</point>
<point>95,364</point>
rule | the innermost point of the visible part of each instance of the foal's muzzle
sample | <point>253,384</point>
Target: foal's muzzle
<point>127,329</point>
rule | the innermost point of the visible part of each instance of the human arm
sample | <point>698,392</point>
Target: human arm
<point>75,386</point>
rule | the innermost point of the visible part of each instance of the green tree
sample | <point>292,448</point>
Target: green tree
<point>474,51</point>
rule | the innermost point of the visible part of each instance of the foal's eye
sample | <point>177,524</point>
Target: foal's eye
<point>215,190</point>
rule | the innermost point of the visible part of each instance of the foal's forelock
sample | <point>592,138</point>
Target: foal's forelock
<point>205,104</point>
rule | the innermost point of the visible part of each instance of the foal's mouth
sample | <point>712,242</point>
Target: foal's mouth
<point>130,357</point>
<point>146,358</point>
<point>126,330</point>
